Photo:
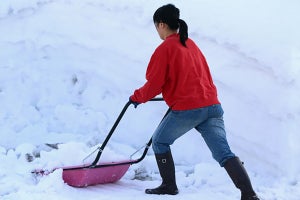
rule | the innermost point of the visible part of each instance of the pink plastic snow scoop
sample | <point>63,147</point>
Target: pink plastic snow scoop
<point>100,173</point>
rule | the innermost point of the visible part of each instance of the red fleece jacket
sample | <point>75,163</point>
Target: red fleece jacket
<point>181,74</point>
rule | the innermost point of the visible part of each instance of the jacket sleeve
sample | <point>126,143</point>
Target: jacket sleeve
<point>156,76</point>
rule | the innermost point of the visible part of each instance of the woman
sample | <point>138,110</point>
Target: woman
<point>179,71</point>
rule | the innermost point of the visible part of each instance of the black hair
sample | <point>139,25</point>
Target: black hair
<point>169,14</point>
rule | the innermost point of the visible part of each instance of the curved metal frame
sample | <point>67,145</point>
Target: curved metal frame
<point>94,164</point>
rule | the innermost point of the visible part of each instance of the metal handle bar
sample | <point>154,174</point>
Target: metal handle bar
<point>113,129</point>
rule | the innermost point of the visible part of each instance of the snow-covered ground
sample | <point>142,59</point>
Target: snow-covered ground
<point>68,67</point>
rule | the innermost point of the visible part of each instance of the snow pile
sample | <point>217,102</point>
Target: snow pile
<point>67,69</point>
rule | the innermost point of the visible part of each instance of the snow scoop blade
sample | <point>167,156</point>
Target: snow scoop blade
<point>99,174</point>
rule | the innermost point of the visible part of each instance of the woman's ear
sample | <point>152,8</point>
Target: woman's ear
<point>163,25</point>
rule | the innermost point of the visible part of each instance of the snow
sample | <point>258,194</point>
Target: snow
<point>68,67</point>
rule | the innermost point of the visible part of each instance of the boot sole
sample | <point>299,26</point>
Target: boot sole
<point>150,191</point>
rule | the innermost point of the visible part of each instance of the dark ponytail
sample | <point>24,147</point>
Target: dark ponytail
<point>169,14</point>
<point>183,32</point>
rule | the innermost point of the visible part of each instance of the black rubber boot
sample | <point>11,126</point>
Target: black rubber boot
<point>166,168</point>
<point>240,178</point>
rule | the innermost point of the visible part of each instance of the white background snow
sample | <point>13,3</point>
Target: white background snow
<point>68,67</point>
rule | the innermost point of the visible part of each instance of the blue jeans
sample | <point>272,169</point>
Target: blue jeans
<point>208,121</point>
